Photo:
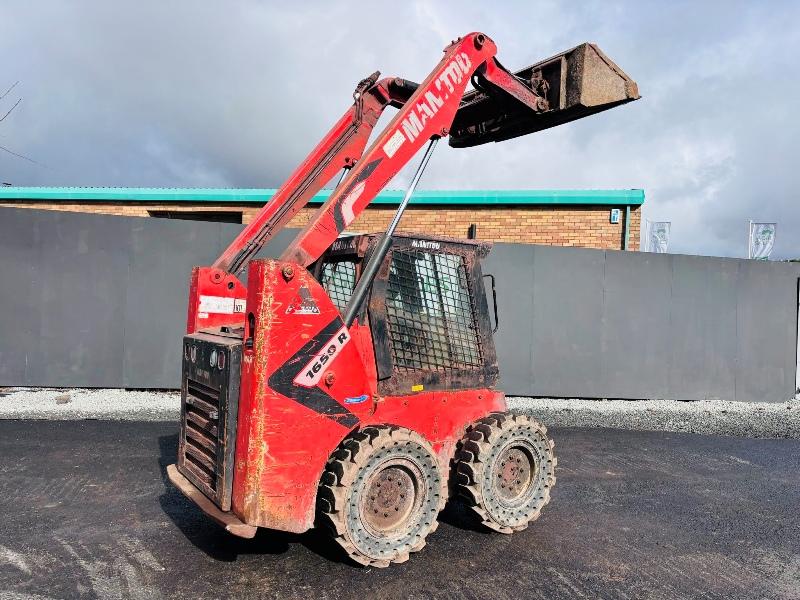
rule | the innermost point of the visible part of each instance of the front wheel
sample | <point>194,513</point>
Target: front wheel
<point>505,469</point>
<point>380,495</point>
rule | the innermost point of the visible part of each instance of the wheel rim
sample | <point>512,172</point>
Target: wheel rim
<point>514,474</point>
<point>391,497</point>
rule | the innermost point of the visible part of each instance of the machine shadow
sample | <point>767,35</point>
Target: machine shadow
<point>217,543</point>
<point>457,515</point>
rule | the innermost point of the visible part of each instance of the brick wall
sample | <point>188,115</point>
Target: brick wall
<point>586,226</point>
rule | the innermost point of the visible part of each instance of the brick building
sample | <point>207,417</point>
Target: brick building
<point>608,219</point>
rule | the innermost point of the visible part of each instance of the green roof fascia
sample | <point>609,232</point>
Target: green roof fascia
<point>631,197</point>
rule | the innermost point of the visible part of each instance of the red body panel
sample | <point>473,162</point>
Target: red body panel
<point>283,441</point>
<point>216,298</point>
<point>292,417</point>
<point>441,417</point>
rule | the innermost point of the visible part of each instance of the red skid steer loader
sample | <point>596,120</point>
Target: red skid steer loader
<point>351,383</point>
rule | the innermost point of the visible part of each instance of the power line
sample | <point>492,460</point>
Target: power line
<point>10,109</point>
<point>4,149</point>
<point>8,112</point>
<point>8,90</point>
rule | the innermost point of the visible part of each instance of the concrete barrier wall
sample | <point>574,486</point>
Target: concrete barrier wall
<point>96,300</point>
<point>606,324</point>
<point>99,301</point>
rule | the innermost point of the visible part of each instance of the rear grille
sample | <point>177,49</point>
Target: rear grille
<point>201,426</point>
<point>210,405</point>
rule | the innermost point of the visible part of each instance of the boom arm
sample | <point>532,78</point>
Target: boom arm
<point>568,86</point>
<point>428,113</point>
<point>503,105</point>
<point>339,149</point>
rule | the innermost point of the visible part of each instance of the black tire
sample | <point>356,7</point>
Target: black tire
<point>380,495</point>
<point>505,469</point>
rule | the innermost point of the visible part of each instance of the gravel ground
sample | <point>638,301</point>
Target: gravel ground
<point>709,417</point>
<point>719,417</point>
<point>76,404</point>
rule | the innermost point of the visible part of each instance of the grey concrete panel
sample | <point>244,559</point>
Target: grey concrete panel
<point>766,330</point>
<point>79,293</point>
<point>567,321</point>
<point>512,265</point>
<point>162,254</point>
<point>702,361</point>
<point>636,315</point>
<point>19,313</point>
<point>276,246</point>
<point>94,301</point>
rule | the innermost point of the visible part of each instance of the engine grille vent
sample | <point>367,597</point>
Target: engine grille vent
<point>209,408</point>
<point>201,424</point>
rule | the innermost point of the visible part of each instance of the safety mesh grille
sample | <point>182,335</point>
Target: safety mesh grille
<point>339,279</point>
<point>430,313</point>
<point>201,428</point>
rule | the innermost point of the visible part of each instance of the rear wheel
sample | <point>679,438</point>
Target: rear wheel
<point>505,469</point>
<point>380,495</point>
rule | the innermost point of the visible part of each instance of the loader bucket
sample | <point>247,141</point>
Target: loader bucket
<point>575,84</point>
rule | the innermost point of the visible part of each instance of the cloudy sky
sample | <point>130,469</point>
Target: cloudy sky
<point>233,94</point>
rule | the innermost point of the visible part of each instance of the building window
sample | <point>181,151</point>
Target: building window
<point>222,216</point>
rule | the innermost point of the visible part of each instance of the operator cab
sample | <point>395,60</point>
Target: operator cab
<point>427,310</point>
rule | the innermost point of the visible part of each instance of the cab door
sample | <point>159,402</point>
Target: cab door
<point>430,318</point>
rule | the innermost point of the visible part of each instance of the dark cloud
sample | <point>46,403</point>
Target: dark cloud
<point>235,93</point>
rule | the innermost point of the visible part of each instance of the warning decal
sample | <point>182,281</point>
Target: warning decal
<point>304,304</point>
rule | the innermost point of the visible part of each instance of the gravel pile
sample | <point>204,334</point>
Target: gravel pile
<point>719,417</point>
<point>716,417</point>
<point>73,404</point>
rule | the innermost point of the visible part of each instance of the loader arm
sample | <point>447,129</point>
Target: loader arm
<point>503,105</point>
<point>339,149</point>
<point>427,114</point>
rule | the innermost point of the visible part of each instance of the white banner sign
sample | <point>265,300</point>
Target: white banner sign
<point>762,240</point>
<point>658,236</point>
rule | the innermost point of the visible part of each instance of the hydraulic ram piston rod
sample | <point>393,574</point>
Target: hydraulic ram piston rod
<point>365,283</point>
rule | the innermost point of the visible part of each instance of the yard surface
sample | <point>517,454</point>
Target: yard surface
<point>87,512</point>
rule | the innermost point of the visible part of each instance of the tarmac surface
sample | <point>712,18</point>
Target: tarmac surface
<point>87,512</point>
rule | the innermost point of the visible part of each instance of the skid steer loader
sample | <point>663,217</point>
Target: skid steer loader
<point>351,383</point>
